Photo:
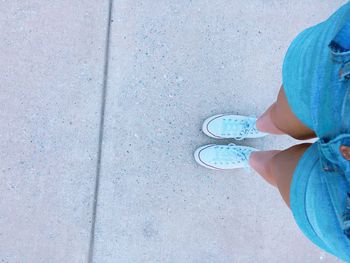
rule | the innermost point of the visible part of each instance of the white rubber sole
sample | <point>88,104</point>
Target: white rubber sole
<point>208,120</point>
<point>200,162</point>
<point>198,159</point>
<point>205,126</point>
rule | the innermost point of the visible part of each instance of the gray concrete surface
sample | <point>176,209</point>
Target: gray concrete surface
<point>171,65</point>
<point>174,63</point>
<point>51,72</point>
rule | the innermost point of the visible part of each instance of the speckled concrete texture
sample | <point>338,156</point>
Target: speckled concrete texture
<point>173,64</point>
<point>51,72</point>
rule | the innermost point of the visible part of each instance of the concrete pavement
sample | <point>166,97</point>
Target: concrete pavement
<point>171,64</point>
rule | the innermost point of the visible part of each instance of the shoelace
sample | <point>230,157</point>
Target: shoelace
<point>247,128</point>
<point>243,156</point>
<point>247,168</point>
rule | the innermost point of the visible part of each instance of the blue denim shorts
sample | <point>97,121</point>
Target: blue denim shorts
<point>316,73</point>
<point>306,55</point>
<point>316,206</point>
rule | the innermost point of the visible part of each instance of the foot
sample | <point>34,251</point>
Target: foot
<point>223,157</point>
<point>231,126</point>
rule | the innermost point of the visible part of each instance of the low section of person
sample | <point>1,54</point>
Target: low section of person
<point>313,102</point>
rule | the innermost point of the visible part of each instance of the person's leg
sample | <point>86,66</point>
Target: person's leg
<point>260,161</point>
<point>265,124</point>
<point>277,167</point>
<point>279,119</point>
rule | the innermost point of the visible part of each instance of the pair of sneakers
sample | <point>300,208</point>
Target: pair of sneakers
<point>231,156</point>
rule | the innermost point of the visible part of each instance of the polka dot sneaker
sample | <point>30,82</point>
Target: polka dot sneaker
<point>231,126</point>
<point>223,157</point>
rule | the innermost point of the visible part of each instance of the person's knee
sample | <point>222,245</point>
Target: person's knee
<point>281,176</point>
<point>288,157</point>
<point>283,165</point>
<point>287,123</point>
<point>277,119</point>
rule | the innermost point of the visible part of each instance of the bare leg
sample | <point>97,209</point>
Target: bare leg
<point>277,167</point>
<point>260,161</point>
<point>279,119</point>
<point>265,123</point>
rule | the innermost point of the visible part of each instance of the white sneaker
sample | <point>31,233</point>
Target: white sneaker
<point>231,126</point>
<point>223,157</point>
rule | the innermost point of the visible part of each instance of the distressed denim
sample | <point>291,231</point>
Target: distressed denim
<point>316,79</point>
<point>308,70</point>
<point>332,121</point>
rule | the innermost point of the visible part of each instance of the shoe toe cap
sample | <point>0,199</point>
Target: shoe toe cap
<point>213,129</point>
<point>211,126</point>
<point>205,154</point>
